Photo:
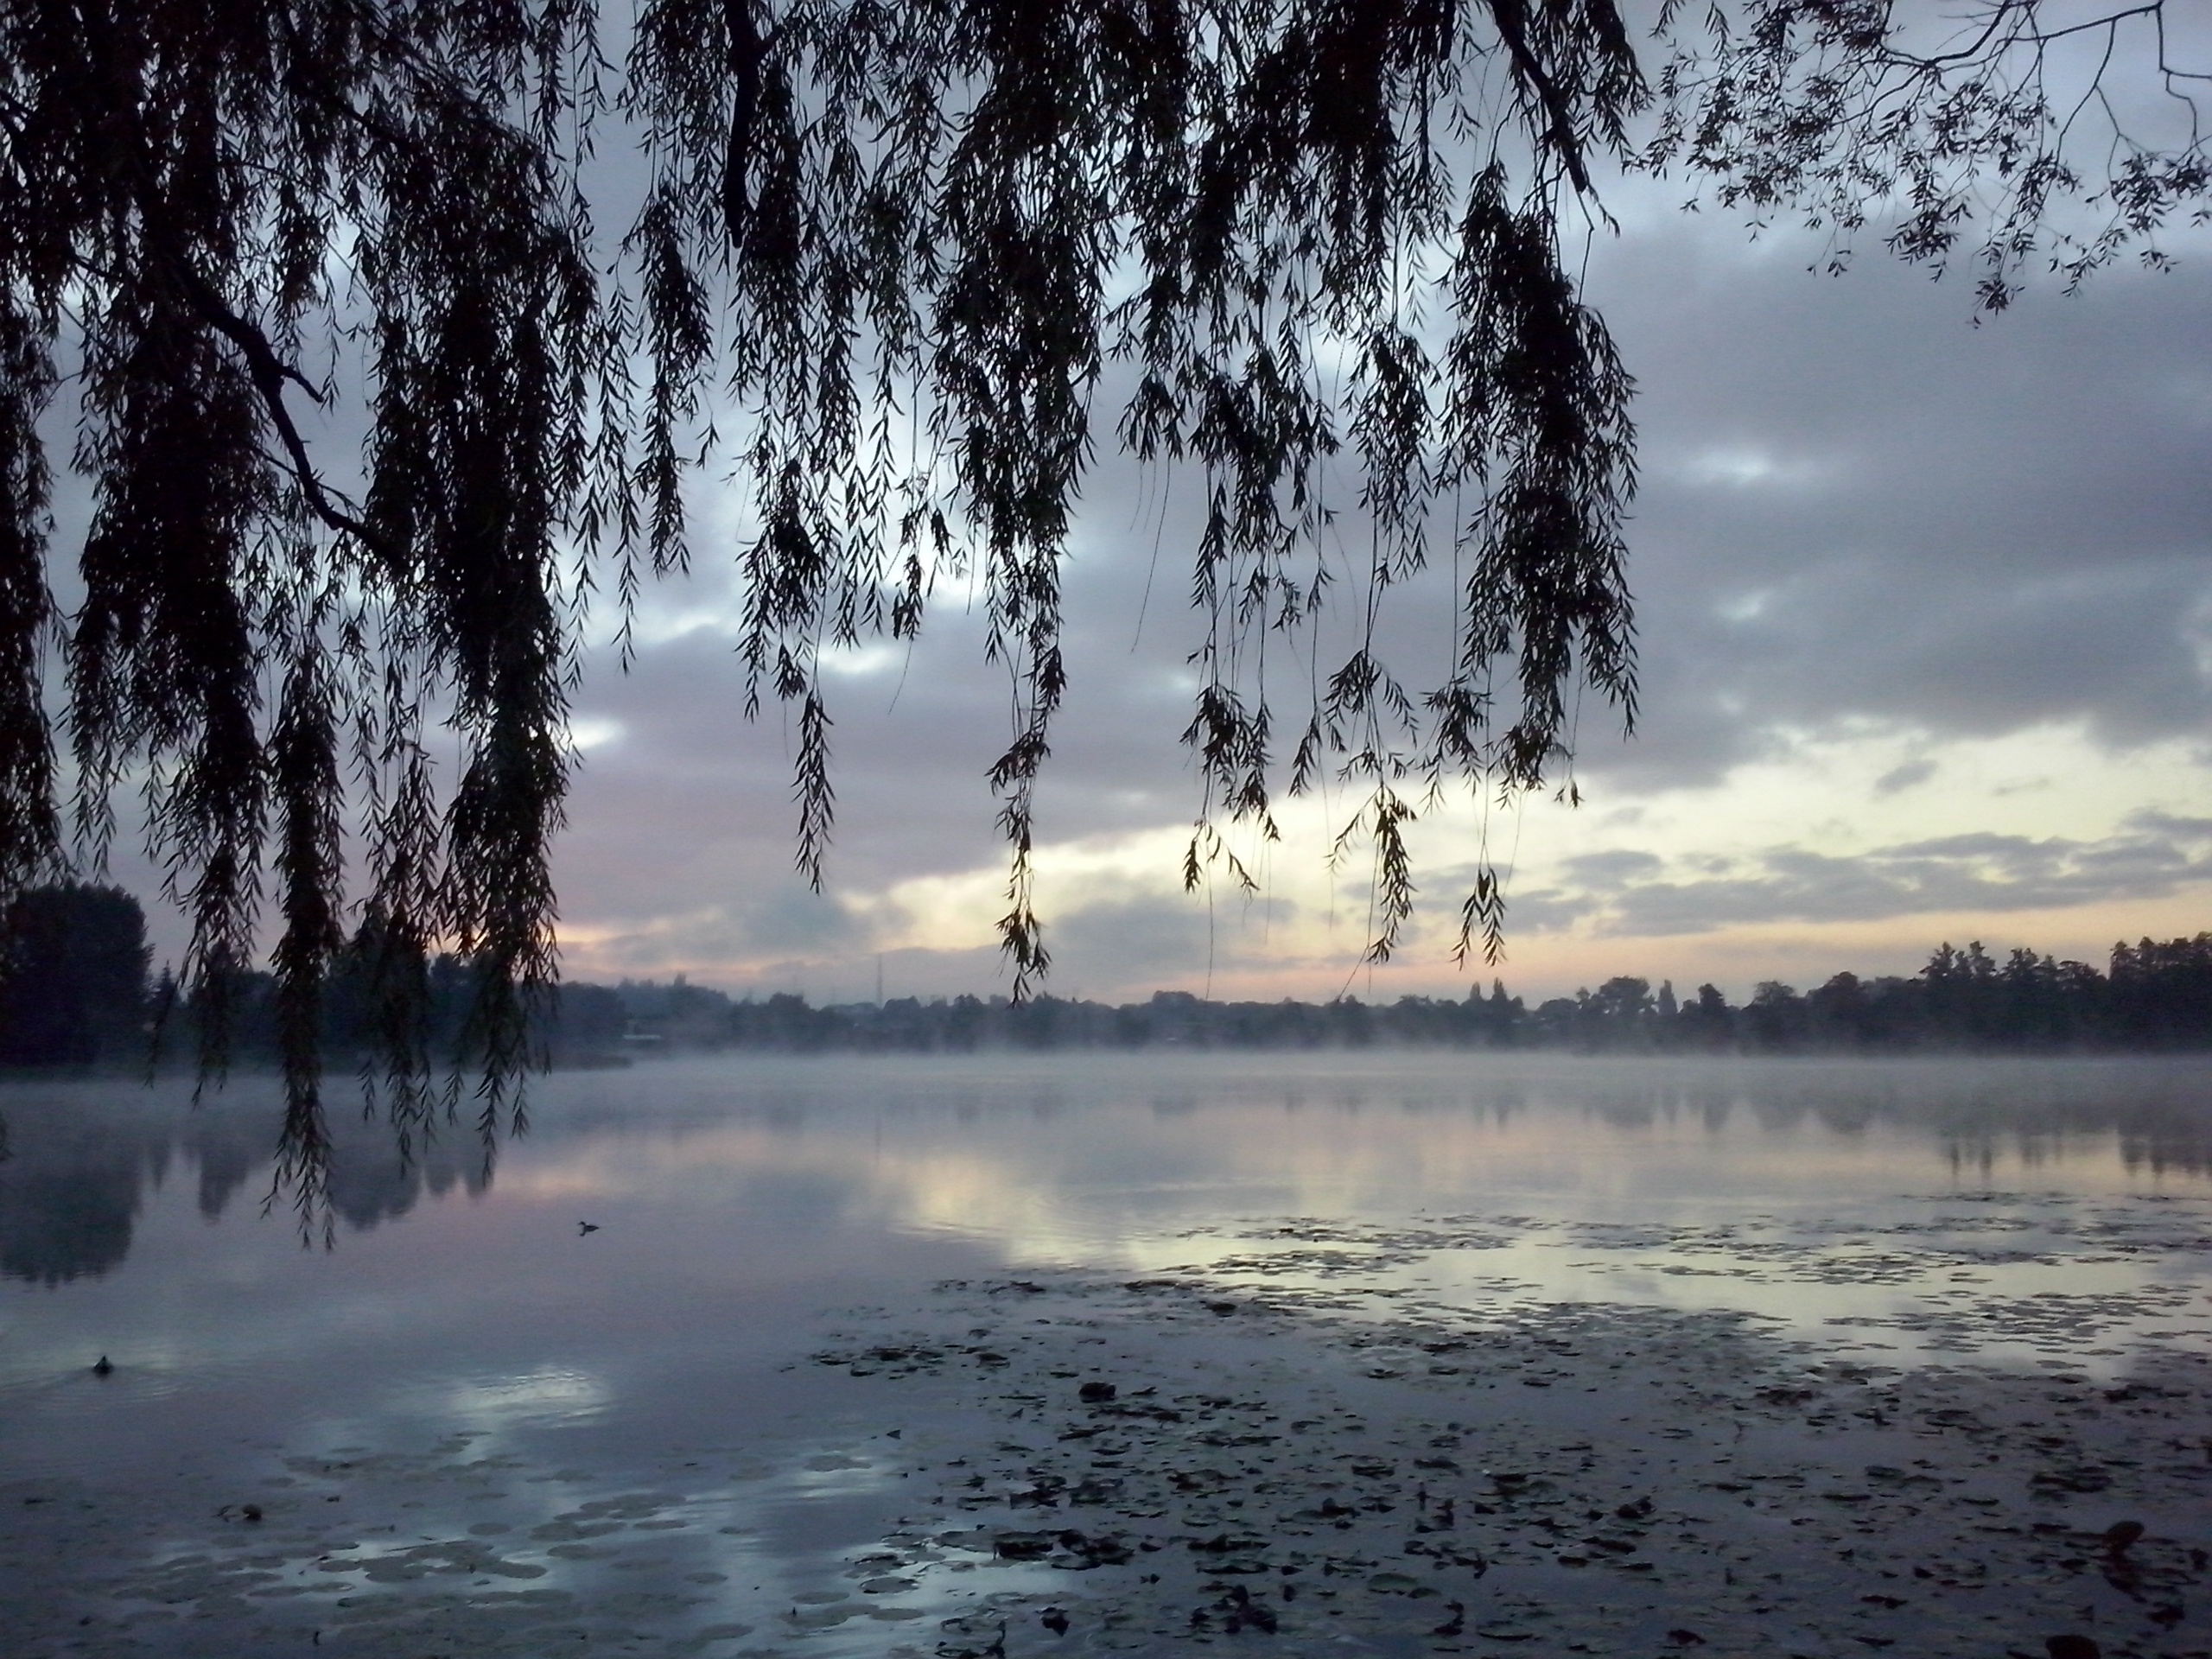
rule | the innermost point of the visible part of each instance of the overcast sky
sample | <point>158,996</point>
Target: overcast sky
<point>1926,615</point>
<point>1925,611</point>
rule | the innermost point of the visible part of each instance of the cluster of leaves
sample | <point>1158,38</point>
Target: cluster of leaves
<point>1964,130</point>
<point>212,218</point>
<point>884,261</point>
<point>1281,236</point>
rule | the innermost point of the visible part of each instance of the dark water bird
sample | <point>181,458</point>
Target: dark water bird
<point>2120,1535</point>
<point>584,1227</point>
<point>103,1367</point>
<point>1454,1625</point>
<point>1243,1611</point>
<point>1054,1620</point>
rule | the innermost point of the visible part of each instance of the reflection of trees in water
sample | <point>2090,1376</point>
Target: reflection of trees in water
<point>2156,1155</point>
<point>2159,1123</point>
<point>225,1161</point>
<point>86,1152</point>
<point>370,1182</point>
<point>2158,1117</point>
<point>68,1206</point>
<point>83,1155</point>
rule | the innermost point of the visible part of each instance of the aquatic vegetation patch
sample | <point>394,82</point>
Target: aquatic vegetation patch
<point>1281,1453</point>
<point>1318,1435</point>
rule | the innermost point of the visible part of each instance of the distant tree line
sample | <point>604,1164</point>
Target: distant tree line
<point>2154,996</point>
<point>75,990</point>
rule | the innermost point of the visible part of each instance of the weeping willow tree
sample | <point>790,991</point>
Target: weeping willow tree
<point>308,306</point>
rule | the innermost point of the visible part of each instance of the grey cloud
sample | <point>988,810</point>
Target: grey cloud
<point>1899,779</point>
<point>2152,821</point>
<point>1612,868</point>
<point>2153,856</point>
<point>911,747</point>
<point>1146,939</point>
<point>1548,910</point>
<point>1965,531</point>
<point>795,919</point>
<point>1138,938</point>
<point>785,920</point>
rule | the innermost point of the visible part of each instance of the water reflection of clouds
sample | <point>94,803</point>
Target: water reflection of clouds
<point>1931,1209</point>
<point>1098,1156</point>
<point>1033,1176</point>
<point>578,1179</point>
<point>1820,1160</point>
<point>549,1395</point>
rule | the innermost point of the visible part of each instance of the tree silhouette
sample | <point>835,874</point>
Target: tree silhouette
<point>367,404</point>
<point>72,977</point>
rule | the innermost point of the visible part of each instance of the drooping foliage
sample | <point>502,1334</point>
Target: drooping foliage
<point>1275,245</point>
<point>367,405</point>
<point>322,286</point>
<point>2004,133</point>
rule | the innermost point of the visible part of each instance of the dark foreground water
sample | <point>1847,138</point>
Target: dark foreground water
<point>1385,1353</point>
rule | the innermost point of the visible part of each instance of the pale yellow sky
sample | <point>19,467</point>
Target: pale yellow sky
<point>2050,796</point>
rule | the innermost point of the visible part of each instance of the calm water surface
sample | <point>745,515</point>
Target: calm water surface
<point>741,1207</point>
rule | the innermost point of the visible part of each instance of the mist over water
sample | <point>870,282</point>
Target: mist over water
<point>1092,1151</point>
<point>134,1223</point>
<point>742,1209</point>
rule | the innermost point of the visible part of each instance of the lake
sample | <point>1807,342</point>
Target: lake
<point>1358,1353</point>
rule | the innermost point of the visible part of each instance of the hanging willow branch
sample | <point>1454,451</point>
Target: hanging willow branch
<point>2005,132</point>
<point>989,217</point>
<point>217,217</point>
<point>900,271</point>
